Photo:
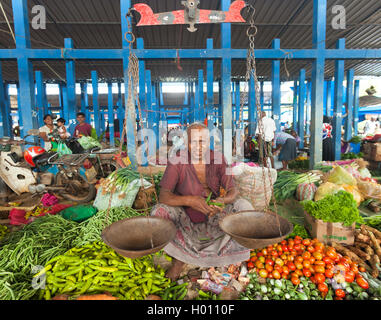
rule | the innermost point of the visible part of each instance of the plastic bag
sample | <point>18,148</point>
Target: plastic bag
<point>305,191</point>
<point>354,192</point>
<point>63,149</point>
<point>369,190</point>
<point>340,176</point>
<point>120,198</point>
<point>326,189</point>
<point>79,213</point>
<point>89,142</point>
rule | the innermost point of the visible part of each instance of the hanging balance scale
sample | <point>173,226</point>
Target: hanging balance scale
<point>251,229</point>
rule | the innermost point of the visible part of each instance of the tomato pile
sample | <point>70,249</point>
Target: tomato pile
<point>296,257</point>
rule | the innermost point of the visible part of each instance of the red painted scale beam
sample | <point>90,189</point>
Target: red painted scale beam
<point>148,18</point>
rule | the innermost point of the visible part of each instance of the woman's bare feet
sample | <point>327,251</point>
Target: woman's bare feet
<point>174,272</point>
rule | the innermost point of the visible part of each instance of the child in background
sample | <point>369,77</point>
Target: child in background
<point>62,129</point>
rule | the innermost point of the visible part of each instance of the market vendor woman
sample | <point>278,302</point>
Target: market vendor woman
<point>191,175</point>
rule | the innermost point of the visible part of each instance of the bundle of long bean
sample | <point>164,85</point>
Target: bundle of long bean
<point>91,229</point>
<point>288,181</point>
<point>31,246</point>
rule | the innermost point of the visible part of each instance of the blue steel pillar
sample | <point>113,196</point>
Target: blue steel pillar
<point>317,77</point>
<point>70,86</point>
<point>8,122</point>
<point>275,78</point>
<point>262,95</point>
<point>40,98</point>
<point>301,114</point>
<point>237,104</point>
<point>252,107</point>
<point>83,97</point>
<point>142,84</point>
<point>65,102</point>
<point>121,109</point>
<point>226,96</point>
<point>209,91</point>
<point>25,68</point>
<point>96,111</point>
<point>148,100</point>
<point>356,104</point>
<point>3,106</point>
<point>295,107</point>
<point>349,118</point>
<point>125,6</point>
<point>308,109</point>
<point>338,103</point>
<point>201,110</point>
<point>329,98</point>
<point>110,109</point>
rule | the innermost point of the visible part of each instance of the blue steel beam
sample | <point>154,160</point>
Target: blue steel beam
<point>356,105</point>
<point>120,109</point>
<point>349,117</point>
<point>25,68</point>
<point>226,98</point>
<point>295,107</point>
<point>96,110</point>
<point>40,97</point>
<point>301,114</point>
<point>70,85</point>
<point>317,77</point>
<point>115,54</point>
<point>275,79</point>
<point>201,110</point>
<point>338,103</point>
<point>196,110</point>
<point>110,110</point>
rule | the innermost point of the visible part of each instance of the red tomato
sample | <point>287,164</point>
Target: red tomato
<point>298,238</point>
<point>319,247</point>
<point>330,266</point>
<point>263,273</point>
<point>264,252</point>
<point>362,282</point>
<point>355,268</point>
<point>284,276</point>
<point>290,247</point>
<point>319,263</point>
<point>306,242</point>
<point>276,274</point>
<point>297,246</point>
<point>250,265</point>
<point>320,278</point>
<point>291,242</point>
<point>337,298</point>
<point>294,253</point>
<point>307,273</point>
<point>284,257</point>
<point>279,261</point>
<point>291,266</point>
<point>269,268</point>
<point>328,273</point>
<point>323,288</point>
<point>274,253</point>
<point>283,242</point>
<point>340,293</point>
<point>270,276</point>
<point>313,280</point>
<point>285,248</point>
<point>259,254</point>
<point>331,253</point>
<point>269,261</point>
<point>297,242</point>
<point>327,260</point>
<point>270,248</point>
<point>346,259</point>
<point>253,259</point>
<point>295,281</point>
<point>311,249</point>
<point>362,269</point>
<point>259,264</point>
<point>317,255</point>
<point>306,264</point>
<point>298,265</point>
<point>285,270</point>
<point>312,260</point>
<point>319,269</point>
<point>306,255</point>
<point>299,272</point>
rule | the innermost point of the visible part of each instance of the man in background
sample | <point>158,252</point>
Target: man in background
<point>82,128</point>
<point>266,135</point>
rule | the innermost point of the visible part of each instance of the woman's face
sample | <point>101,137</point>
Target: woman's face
<point>48,121</point>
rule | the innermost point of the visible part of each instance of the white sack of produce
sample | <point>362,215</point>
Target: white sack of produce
<point>120,198</point>
<point>254,185</point>
<point>305,191</point>
<point>326,189</point>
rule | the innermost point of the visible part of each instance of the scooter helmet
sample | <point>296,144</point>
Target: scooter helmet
<point>31,153</point>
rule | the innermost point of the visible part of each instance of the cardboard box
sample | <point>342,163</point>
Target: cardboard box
<point>375,153</point>
<point>327,232</point>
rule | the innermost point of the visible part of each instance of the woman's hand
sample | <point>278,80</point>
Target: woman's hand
<point>199,204</point>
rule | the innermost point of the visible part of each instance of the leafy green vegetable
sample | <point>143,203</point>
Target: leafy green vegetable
<point>351,155</point>
<point>373,221</point>
<point>299,231</point>
<point>340,207</point>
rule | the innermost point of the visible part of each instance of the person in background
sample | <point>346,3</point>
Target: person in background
<point>47,130</point>
<point>266,139</point>
<point>328,149</point>
<point>370,126</point>
<point>62,129</point>
<point>286,146</point>
<point>82,128</point>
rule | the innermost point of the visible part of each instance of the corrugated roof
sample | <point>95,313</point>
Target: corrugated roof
<point>96,24</point>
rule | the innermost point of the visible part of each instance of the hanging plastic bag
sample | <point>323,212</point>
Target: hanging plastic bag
<point>341,176</point>
<point>89,142</point>
<point>63,149</point>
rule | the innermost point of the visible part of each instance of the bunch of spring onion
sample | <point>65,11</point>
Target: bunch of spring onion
<point>287,183</point>
<point>118,180</point>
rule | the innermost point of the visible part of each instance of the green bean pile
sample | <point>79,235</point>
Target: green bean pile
<point>33,245</point>
<point>91,229</point>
